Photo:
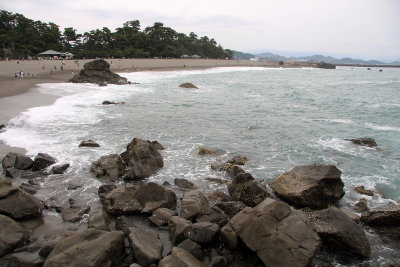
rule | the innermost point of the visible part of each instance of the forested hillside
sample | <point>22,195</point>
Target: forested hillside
<point>23,37</point>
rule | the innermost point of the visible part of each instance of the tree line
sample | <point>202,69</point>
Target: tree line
<point>22,37</point>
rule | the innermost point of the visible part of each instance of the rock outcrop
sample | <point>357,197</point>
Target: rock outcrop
<point>280,235</point>
<point>108,168</point>
<point>314,186</point>
<point>90,248</point>
<point>17,204</point>
<point>98,72</point>
<point>366,141</point>
<point>188,86</point>
<point>382,217</point>
<point>12,235</point>
<point>42,161</point>
<point>340,232</point>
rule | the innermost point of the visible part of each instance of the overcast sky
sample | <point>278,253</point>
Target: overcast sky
<point>367,29</point>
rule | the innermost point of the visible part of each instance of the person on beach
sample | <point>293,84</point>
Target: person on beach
<point>73,74</point>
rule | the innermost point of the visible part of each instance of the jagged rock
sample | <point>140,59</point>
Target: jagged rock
<point>340,232</point>
<point>136,199</point>
<point>184,184</point>
<point>361,205</point>
<point>12,235</point>
<point>177,226</point>
<point>213,215</point>
<point>382,217</point>
<point>92,248</point>
<point>74,213</point>
<point>314,186</point>
<point>99,220</point>
<point>42,161</point>
<point>280,235</point>
<point>370,142</point>
<point>193,248</point>
<point>205,151</point>
<point>17,161</point>
<point>361,190</point>
<point>98,71</point>
<point>142,160</point>
<point>89,143</point>
<point>188,86</point>
<point>60,169</point>
<point>231,208</point>
<point>161,216</point>
<point>193,204</point>
<point>238,160</point>
<point>108,167</point>
<point>146,245</point>
<point>16,203</point>
<point>246,189</point>
<point>182,258</point>
<point>202,232</point>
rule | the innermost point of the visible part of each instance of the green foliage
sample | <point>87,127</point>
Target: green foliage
<point>22,37</point>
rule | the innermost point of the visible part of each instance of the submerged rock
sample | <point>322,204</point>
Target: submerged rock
<point>98,71</point>
<point>314,186</point>
<point>89,143</point>
<point>382,217</point>
<point>340,232</point>
<point>361,190</point>
<point>205,151</point>
<point>280,235</point>
<point>238,160</point>
<point>188,86</point>
<point>370,142</point>
<point>184,184</point>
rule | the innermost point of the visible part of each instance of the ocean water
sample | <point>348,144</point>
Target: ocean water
<point>277,118</point>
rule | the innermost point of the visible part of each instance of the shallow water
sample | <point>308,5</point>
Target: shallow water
<point>278,118</point>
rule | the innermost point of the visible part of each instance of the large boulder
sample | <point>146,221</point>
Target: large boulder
<point>182,258</point>
<point>74,213</point>
<point>42,161</point>
<point>12,235</point>
<point>108,167</point>
<point>89,248</point>
<point>202,232</point>
<point>246,189</point>
<point>98,71</point>
<point>17,161</point>
<point>16,203</point>
<point>146,245</point>
<point>382,217</point>
<point>177,227</point>
<point>314,186</point>
<point>194,204</point>
<point>142,159</point>
<point>280,235</point>
<point>135,199</point>
<point>99,220</point>
<point>340,232</point>
<point>161,216</point>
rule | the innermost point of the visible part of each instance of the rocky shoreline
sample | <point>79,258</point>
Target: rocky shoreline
<point>284,223</point>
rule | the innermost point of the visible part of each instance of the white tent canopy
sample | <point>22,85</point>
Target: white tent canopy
<point>55,53</point>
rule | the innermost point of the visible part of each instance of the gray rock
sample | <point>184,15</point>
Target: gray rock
<point>153,196</point>
<point>314,186</point>
<point>25,259</point>
<point>370,142</point>
<point>280,235</point>
<point>193,248</point>
<point>42,161</point>
<point>229,236</point>
<point>98,71</point>
<point>182,258</point>
<point>184,184</point>
<point>17,161</point>
<point>108,167</point>
<point>60,169</point>
<point>17,204</point>
<point>177,226</point>
<point>89,143</point>
<point>142,159</point>
<point>340,232</point>
<point>161,216</point>
<point>231,208</point>
<point>146,245</point>
<point>99,220</point>
<point>389,217</point>
<point>202,232</point>
<point>246,189</point>
<point>193,204</point>
<point>213,215</point>
<point>92,247</point>
<point>12,235</point>
<point>121,201</point>
<point>361,205</point>
<point>238,160</point>
<point>74,213</point>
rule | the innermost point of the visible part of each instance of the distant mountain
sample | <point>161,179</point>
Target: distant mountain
<point>315,58</point>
